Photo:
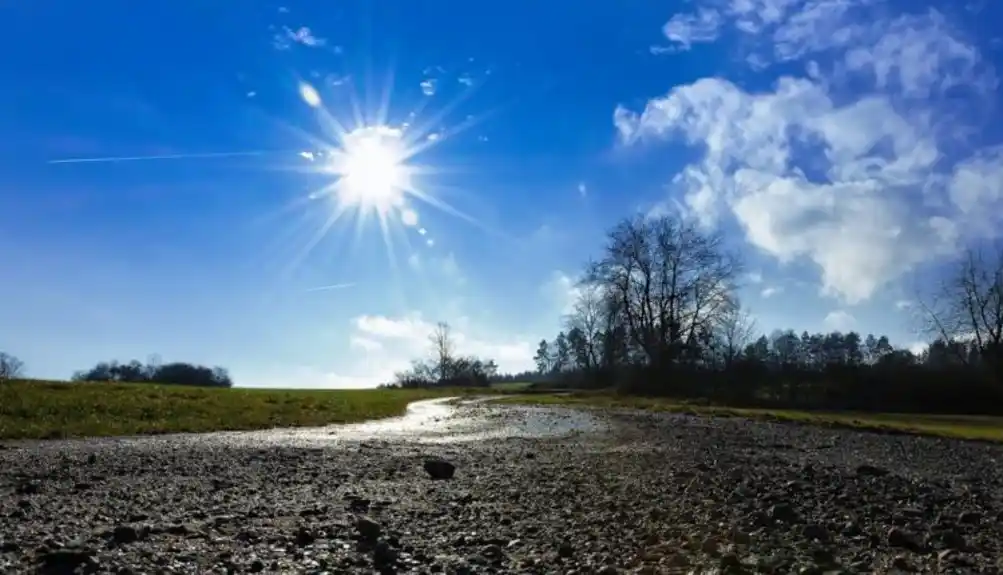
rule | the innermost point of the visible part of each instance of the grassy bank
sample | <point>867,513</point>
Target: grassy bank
<point>974,427</point>
<point>37,410</point>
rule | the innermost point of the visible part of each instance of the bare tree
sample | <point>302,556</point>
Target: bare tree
<point>968,307</point>
<point>444,351</point>
<point>734,330</point>
<point>585,321</point>
<point>10,367</point>
<point>671,281</point>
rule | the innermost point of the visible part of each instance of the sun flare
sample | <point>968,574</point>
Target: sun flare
<point>371,169</point>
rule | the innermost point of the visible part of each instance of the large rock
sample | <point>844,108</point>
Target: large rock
<point>439,469</point>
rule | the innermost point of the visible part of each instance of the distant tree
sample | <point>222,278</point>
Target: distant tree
<point>443,349</point>
<point>735,329</point>
<point>542,357</point>
<point>446,367</point>
<point>176,373</point>
<point>10,367</point>
<point>967,309</point>
<point>561,359</point>
<point>584,325</point>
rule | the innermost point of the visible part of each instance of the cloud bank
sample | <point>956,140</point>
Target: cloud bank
<point>863,151</point>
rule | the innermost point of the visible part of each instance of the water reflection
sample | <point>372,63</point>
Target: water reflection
<point>443,420</point>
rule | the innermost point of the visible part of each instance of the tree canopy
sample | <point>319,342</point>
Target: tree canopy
<point>177,373</point>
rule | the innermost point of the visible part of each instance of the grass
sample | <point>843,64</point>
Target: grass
<point>970,427</point>
<point>511,386</point>
<point>46,410</point>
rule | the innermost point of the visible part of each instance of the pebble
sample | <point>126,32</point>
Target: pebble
<point>650,494</point>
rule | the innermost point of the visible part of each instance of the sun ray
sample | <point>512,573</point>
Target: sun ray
<point>372,179</point>
<point>319,235</point>
<point>383,111</point>
<point>426,127</point>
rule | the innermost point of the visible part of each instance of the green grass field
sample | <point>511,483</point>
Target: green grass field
<point>974,427</point>
<point>41,410</point>
<point>511,386</point>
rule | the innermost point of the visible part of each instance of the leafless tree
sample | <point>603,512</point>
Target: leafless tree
<point>443,350</point>
<point>671,281</point>
<point>734,330</point>
<point>586,320</point>
<point>10,367</point>
<point>968,307</point>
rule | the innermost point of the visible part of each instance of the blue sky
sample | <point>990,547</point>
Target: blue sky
<point>849,148</point>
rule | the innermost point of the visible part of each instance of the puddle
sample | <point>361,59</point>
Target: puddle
<point>443,420</point>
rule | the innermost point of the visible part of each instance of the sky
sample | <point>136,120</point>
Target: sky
<point>848,149</point>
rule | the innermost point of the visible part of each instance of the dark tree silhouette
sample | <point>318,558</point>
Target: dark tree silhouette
<point>170,374</point>
<point>659,315</point>
<point>445,368</point>
<point>10,367</point>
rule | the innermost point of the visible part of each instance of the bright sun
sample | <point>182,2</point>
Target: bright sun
<point>373,175</point>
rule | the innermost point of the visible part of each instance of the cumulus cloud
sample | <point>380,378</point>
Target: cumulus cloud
<point>770,292</point>
<point>688,29</point>
<point>404,338</point>
<point>562,289</point>
<point>364,343</point>
<point>839,320</point>
<point>867,184</point>
<point>386,345</point>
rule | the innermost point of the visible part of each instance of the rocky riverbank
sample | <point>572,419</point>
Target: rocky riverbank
<point>649,494</point>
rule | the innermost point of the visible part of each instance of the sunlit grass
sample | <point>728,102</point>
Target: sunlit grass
<point>975,427</point>
<point>36,410</point>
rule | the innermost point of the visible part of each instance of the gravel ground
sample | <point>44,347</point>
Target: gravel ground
<point>646,494</point>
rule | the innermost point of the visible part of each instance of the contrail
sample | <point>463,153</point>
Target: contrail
<point>162,157</point>
<point>332,286</point>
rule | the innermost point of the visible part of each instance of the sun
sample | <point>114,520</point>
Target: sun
<point>370,164</point>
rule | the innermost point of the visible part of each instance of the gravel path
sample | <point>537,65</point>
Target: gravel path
<point>632,494</point>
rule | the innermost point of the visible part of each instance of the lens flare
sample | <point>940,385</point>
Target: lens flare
<point>373,173</point>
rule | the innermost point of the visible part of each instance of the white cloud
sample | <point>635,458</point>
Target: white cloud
<point>771,291</point>
<point>364,343</point>
<point>687,29</point>
<point>392,342</point>
<point>903,304</point>
<point>866,185</point>
<point>302,35</point>
<point>562,290</point>
<point>410,328</point>
<point>839,320</point>
<point>754,277</point>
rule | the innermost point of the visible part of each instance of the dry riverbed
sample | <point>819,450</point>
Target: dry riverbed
<point>535,490</point>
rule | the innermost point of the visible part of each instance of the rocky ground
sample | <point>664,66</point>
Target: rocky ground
<point>654,494</point>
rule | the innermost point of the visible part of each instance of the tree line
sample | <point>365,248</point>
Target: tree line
<point>174,373</point>
<point>153,371</point>
<point>658,313</point>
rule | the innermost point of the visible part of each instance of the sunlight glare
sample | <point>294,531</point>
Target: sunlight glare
<point>372,170</point>
<point>310,95</point>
